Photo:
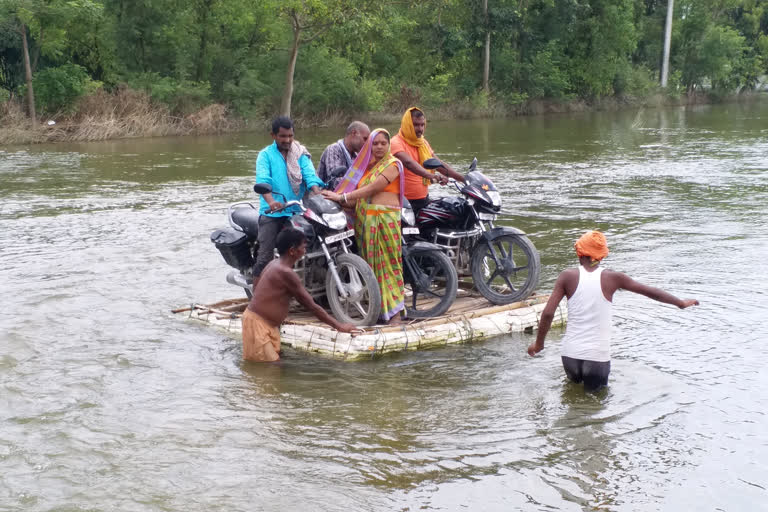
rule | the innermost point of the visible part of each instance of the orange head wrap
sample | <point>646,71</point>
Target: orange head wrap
<point>592,244</point>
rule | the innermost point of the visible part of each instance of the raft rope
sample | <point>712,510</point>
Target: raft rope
<point>349,344</point>
<point>379,335</point>
<point>375,341</point>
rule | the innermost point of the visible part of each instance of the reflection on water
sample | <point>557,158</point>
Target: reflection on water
<point>109,403</point>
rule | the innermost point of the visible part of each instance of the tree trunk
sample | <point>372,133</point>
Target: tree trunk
<point>487,50</point>
<point>37,51</point>
<point>202,21</point>
<point>28,74</point>
<point>285,106</point>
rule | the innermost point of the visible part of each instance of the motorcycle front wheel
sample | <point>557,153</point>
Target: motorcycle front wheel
<point>361,305</point>
<point>512,275</point>
<point>431,284</point>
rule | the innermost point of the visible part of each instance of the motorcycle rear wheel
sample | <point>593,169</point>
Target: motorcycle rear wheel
<point>363,305</point>
<point>515,276</point>
<point>433,291</point>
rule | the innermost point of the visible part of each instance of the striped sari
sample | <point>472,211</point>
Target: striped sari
<point>377,228</point>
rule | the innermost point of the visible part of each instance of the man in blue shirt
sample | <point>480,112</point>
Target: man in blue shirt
<point>286,166</point>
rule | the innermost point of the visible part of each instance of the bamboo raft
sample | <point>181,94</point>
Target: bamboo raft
<point>470,318</point>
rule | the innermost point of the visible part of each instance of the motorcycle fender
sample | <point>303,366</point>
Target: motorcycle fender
<point>419,246</point>
<point>496,232</point>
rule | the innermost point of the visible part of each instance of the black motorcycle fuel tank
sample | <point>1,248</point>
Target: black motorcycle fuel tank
<point>303,225</point>
<point>321,205</point>
<point>449,212</point>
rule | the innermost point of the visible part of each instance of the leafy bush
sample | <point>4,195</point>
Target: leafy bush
<point>326,82</point>
<point>437,91</point>
<point>546,74</point>
<point>479,100</point>
<point>721,54</point>
<point>542,76</point>
<point>374,93</point>
<point>182,97</point>
<point>57,88</point>
<point>512,99</point>
<point>636,81</point>
<point>675,85</point>
<point>762,49</point>
<point>250,96</point>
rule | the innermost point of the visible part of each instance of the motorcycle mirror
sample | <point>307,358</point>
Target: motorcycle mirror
<point>473,165</point>
<point>262,188</point>
<point>432,163</point>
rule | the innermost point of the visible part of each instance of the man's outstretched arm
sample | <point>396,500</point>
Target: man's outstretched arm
<point>627,283</point>
<point>414,166</point>
<point>305,299</point>
<point>449,171</point>
<point>547,315</point>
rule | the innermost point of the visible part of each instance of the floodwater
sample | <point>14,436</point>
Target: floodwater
<point>108,402</point>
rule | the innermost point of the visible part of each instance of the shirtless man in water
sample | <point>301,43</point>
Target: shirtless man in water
<point>272,295</point>
<point>586,345</point>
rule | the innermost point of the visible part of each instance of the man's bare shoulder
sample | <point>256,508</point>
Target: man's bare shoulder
<point>614,274</point>
<point>275,273</point>
<point>616,279</point>
<point>567,282</point>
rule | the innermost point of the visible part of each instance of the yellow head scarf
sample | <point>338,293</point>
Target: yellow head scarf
<point>408,134</point>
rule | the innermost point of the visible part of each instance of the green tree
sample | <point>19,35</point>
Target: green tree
<point>707,49</point>
<point>46,22</point>
<point>15,15</point>
<point>308,19</point>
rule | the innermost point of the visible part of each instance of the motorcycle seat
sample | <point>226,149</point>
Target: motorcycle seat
<point>247,219</point>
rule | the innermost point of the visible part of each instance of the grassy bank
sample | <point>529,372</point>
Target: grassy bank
<point>127,113</point>
<point>103,116</point>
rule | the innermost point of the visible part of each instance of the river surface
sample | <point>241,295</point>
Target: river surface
<point>109,403</point>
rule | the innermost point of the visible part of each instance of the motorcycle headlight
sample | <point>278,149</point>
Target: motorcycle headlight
<point>495,197</point>
<point>408,216</point>
<point>335,220</point>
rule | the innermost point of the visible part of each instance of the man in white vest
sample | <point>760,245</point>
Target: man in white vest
<point>585,349</point>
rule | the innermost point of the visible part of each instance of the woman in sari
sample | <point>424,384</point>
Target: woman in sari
<point>373,186</point>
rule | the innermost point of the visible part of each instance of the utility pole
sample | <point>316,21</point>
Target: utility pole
<point>486,50</point>
<point>667,42</point>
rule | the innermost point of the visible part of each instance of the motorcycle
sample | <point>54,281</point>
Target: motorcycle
<point>502,261</point>
<point>328,269</point>
<point>429,277</point>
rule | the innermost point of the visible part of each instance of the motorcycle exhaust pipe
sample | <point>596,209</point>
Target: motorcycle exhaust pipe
<point>238,279</point>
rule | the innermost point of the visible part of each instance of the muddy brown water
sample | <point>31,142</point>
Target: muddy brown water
<point>110,403</point>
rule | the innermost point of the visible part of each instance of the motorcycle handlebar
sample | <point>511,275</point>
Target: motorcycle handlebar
<point>456,183</point>
<point>287,205</point>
